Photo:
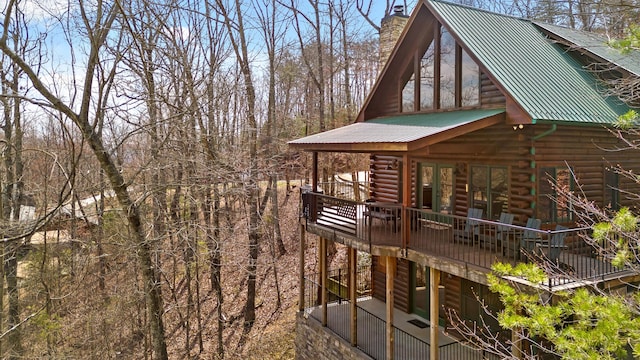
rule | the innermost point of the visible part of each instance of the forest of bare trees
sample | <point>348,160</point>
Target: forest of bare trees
<point>145,172</point>
<point>145,163</point>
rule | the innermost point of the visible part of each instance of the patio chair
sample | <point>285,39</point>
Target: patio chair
<point>468,233</point>
<point>556,244</point>
<point>530,237</point>
<point>496,236</point>
<point>373,211</point>
<point>511,247</point>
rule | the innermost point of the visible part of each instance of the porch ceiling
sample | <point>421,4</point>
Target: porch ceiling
<point>400,133</point>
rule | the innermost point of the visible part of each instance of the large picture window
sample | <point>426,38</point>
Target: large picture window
<point>443,79</point>
<point>470,81</point>
<point>554,186</point>
<point>489,190</point>
<point>447,70</point>
<point>426,79</point>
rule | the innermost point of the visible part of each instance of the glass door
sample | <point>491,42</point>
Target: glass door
<point>420,290</point>
<point>435,187</point>
<point>445,190</point>
<point>426,181</point>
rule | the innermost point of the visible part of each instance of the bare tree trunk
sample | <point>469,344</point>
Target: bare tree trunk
<point>237,37</point>
<point>12,195</point>
<point>276,218</point>
<point>103,21</point>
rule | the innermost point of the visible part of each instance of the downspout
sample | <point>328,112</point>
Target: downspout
<point>532,152</point>
<point>553,128</point>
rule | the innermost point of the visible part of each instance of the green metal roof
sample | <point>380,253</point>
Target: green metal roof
<point>538,74</point>
<point>596,45</point>
<point>439,120</point>
<point>401,129</point>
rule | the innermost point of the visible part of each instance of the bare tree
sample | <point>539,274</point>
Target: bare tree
<point>234,23</point>
<point>99,27</point>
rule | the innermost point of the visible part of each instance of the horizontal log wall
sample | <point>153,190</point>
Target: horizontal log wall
<point>401,290</point>
<point>498,145</point>
<point>583,148</point>
<point>588,151</point>
<point>453,290</point>
<point>385,178</point>
<point>489,92</point>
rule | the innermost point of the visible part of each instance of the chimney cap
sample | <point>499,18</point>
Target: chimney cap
<point>398,10</point>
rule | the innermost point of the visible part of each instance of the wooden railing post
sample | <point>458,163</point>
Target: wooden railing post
<point>301,303</point>
<point>390,267</point>
<point>434,283</point>
<point>353,285</point>
<point>323,279</point>
<point>406,200</point>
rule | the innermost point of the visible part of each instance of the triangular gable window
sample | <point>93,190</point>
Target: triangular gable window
<point>449,78</point>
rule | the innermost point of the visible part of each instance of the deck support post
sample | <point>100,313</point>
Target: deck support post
<point>323,279</point>
<point>314,172</point>
<point>434,283</point>
<point>301,303</point>
<point>516,347</point>
<point>353,286</point>
<point>391,269</point>
<point>406,202</point>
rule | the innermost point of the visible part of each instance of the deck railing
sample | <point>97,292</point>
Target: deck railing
<point>337,286</point>
<point>410,347</point>
<point>349,190</point>
<point>478,243</point>
<point>372,329</point>
<point>463,352</point>
<point>372,340</point>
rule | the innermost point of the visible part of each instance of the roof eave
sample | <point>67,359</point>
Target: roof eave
<point>352,147</point>
<point>378,147</point>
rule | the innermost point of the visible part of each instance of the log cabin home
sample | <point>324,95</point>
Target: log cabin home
<point>476,124</point>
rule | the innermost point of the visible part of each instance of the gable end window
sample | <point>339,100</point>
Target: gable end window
<point>441,76</point>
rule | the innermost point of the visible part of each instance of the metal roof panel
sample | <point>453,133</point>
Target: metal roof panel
<point>546,81</point>
<point>397,129</point>
<point>597,45</point>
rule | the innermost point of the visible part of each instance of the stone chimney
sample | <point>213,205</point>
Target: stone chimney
<point>390,30</point>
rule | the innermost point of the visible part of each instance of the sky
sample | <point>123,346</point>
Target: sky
<point>45,16</point>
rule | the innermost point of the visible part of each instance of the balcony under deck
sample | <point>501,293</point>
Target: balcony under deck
<point>445,242</point>
<point>411,339</point>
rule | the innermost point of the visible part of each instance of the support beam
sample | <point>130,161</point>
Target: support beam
<point>314,172</point>
<point>434,283</point>
<point>353,286</point>
<point>406,200</point>
<point>323,279</point>
<point>391,270</point>
<point>437,32</point>
<point>303,245</point>
<point>516,341</point>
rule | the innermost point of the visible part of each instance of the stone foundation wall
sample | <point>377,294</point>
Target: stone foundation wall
<point>316,342</point>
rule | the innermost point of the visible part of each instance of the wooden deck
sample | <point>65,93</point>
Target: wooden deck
<point>434,237</point>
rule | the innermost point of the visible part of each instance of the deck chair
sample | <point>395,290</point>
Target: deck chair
<point>556,244</point>
<point>511,247</point>
<point>378,212</point>
<point>529,236</point>
<point>468,233</point>
<point>498,236</point>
